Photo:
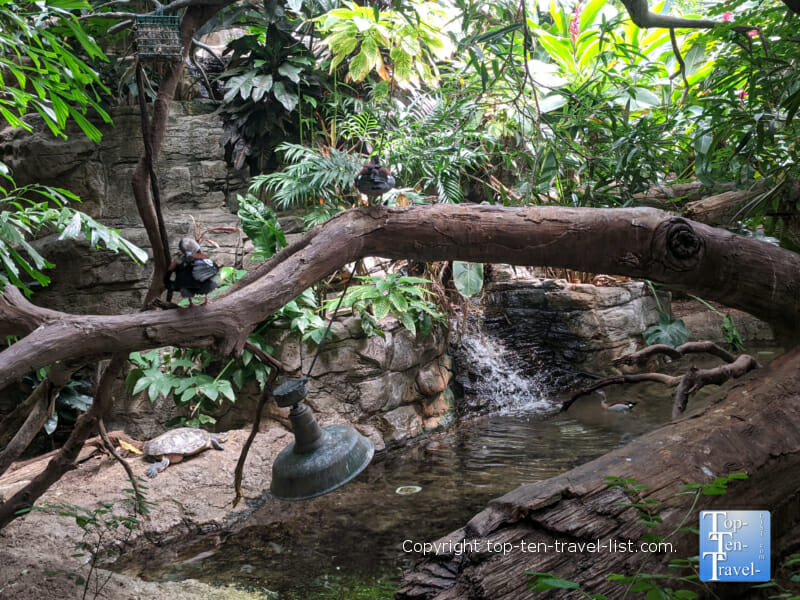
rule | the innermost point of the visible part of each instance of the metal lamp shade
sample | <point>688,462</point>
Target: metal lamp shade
<point>320,459</point>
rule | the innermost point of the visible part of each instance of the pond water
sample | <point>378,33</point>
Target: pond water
<point>353,543</point>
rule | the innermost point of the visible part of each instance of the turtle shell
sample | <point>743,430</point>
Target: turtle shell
<point>184,440</point>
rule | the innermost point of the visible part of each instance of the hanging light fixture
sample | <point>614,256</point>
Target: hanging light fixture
<point>320,459</point>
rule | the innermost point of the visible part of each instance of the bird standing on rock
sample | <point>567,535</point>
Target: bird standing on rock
<point>374,180</point>
<point>192,272</point>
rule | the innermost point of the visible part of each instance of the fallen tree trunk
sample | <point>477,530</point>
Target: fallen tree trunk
<point>646,243</point>
<point>578,506</point>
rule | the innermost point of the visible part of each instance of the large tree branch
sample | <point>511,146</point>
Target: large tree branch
<point>739,272</point>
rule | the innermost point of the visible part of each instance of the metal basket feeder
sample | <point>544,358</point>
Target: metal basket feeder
<point>158,36</point>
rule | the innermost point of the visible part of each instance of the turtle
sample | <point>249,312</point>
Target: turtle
<point>171,447</point>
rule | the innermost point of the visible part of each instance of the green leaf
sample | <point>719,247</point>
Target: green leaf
<point>290,71</point>
<point>261,85</point>
<point>398,301</point>
<point>669,331</point>
<point>408,322</point>
<point>51,424</point>
<point>369,47</point>
<point>402,64</point>
<point>380,307</point>
<point>468,277</point>
<point>285,97</point>
<point>359,67</point>
<point>141,384</point>
<point>226,390</point>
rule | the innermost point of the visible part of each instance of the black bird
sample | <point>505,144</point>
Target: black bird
<point>374,180</point>
<point>192,272</point>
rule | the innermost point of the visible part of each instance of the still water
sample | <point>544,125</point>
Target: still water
<point>358,538</point>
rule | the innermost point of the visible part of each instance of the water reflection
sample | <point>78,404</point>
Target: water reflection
<point>362,531</point>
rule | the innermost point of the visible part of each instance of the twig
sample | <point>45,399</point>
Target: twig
<point>210,50</point>
<point>203,73</point>
<point>137,502</point>
<point>265,395</point>
<point>265,357</point>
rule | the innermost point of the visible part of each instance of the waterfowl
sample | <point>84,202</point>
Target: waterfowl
<point>618,405</point>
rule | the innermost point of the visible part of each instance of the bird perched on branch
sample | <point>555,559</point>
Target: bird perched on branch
<point>192,272</point>
<point>374,180</point>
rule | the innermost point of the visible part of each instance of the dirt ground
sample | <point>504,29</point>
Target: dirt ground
<point>195,495</point>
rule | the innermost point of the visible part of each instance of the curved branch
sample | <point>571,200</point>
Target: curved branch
<point>739,272</point>
<point>696,379</point>
<point>669,380</point>
<point>645,354</point>
<point>640,14</point>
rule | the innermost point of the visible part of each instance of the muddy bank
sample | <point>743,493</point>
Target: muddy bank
<point>188,498</point>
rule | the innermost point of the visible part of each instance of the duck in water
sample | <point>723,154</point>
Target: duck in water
<point>616,406</point>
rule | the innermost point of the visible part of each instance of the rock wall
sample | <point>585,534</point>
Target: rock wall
<point>397,386</point>
<point>570,327</point>
<point>393,388</point>
<point>195,183</point>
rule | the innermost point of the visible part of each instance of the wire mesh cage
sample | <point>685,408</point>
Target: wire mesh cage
<point>158,36</point>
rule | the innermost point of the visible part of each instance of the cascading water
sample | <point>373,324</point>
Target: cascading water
<point>492,382</point>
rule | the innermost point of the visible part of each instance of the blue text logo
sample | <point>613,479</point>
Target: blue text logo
<point>734,545</point>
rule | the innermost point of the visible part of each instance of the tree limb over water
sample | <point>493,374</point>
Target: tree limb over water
<point>647,243</point>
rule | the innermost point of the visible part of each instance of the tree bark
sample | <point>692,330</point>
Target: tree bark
<point>41,405</point>
<point>67,455</point>
<point>740,272</point>
<point>194,18</point>
<point>578,506</point>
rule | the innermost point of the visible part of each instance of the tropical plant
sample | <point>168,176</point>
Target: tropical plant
<point>182,373</point>
<point>610,118</point>
<point>401,295</point>
<point>413,42</point>
<point>312,178</point>
<point>270,76</point>
<point>746,114</point>
<point>668,330</point>
<point>42,72</point>
<point>31,210</point>
<point>435,142</point>
<point>260,224</point>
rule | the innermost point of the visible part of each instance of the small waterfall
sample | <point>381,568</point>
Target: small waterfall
<point>491,381</point>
